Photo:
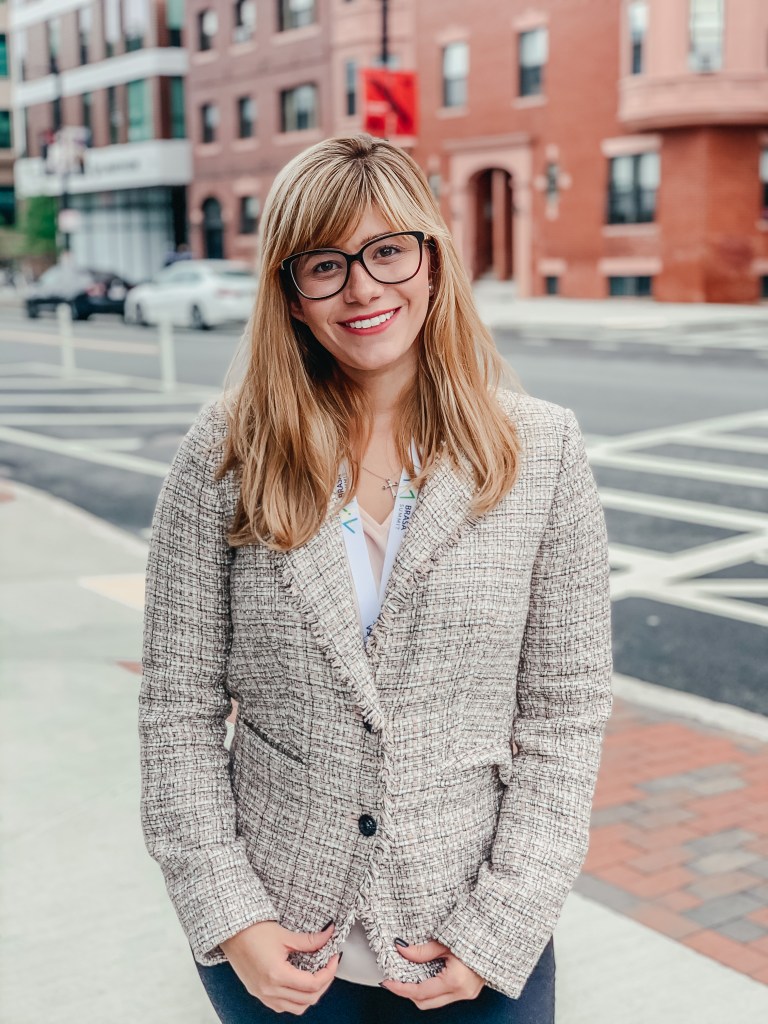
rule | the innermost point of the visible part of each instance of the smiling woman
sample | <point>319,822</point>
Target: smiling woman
<point>398,569</point>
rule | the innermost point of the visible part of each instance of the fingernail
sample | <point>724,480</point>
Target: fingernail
<point>400,942</point>
<point>327,926</point>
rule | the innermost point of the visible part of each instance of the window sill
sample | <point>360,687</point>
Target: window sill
<point>521,102</point>
<point>205,56</point>
<point>644,228</point>
<point>247,143</point>
<point>244,46</point>
<point>303,137</point>
<point>448,112</point>
<point>295,35</point>
<point>208,148</point>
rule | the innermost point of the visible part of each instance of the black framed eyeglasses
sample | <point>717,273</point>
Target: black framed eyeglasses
<point>389,259</point>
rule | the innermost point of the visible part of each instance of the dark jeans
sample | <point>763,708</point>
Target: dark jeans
<point>348,1003</point>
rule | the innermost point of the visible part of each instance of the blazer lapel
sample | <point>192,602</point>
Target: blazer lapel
<point>317,576</point>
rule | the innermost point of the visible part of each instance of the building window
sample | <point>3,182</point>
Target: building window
<point>638,27</point>
<point>553,182</point>
<point>455,72</point>
<point>298,108</point>
<point>764,286</point>
<point>249,215</point>
<point>174,20</point>
<point>87,108</point>
<point>178,120</point>
<point>207,26</point>
<point>245,20</point>
<point>295,14</point>
<point>706,26</point>
<point>7,206</point>
<point>111,15</point>
<point>552,285</point>
<point>135,23</point>
<point>84,25</point>
<point>350,88</point>
<point>6,135</point>
<point>113,115</point>
<point>209,122</point>
<point>632,187</point>
<point>764,182</point>
<point>533,50</point>
<point>246,117</point>
<point>139,111</point>
<point>53,30</point>
<point>3,56</point>
<point>634,286</point>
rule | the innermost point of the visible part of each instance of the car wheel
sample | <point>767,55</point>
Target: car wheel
<point>138,317</point>
<point>32,311</point>
<point>197,319</point>
<point>78,312</point>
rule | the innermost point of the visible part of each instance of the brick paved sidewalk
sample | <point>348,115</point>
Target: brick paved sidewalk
<point>679,837</point>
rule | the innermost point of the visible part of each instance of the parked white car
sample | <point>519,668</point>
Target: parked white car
<point>194,293</point>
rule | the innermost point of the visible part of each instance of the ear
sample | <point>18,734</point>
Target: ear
<point>296,311</point>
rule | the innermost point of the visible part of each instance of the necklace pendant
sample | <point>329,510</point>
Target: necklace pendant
<point>392,487</point>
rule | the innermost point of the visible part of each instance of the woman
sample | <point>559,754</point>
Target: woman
<point>398,570</point>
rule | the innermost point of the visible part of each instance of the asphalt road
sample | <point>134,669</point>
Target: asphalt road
<point>678,441</point>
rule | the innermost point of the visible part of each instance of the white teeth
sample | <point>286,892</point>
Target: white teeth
<point>361,325</point>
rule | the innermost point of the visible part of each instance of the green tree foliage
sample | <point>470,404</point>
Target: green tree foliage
<point>39,225</point>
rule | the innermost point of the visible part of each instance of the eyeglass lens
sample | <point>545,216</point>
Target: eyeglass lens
<point>388,260</point>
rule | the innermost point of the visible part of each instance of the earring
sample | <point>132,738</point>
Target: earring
<point>431,287</point>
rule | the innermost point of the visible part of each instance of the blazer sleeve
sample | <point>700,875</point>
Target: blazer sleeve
<point>187,805</point>
<point>502,925</point>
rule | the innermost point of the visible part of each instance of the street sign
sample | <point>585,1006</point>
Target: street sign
<point>390,102</point>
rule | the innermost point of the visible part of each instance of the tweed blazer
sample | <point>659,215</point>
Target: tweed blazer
<point>380,782</point>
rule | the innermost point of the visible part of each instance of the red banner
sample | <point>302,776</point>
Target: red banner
<point>390,102</point>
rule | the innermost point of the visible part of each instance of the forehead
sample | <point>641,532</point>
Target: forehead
<point>354,236</point>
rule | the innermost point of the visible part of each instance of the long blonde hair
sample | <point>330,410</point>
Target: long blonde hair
<point>295,416</point>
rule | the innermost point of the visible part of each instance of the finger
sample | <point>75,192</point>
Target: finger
<point>430,989</point>
<point>298,980</point>
<point>423,952</point>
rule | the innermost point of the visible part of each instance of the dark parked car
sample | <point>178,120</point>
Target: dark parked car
<point>84,291</point>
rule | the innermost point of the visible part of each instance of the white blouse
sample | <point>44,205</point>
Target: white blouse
<point>359,961</point>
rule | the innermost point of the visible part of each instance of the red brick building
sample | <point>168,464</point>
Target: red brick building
<point>267,78</point>
<point>601,147</point>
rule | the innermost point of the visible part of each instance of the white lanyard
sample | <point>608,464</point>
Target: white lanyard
<point>369,597</point>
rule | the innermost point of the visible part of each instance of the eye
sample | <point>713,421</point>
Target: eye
<point>387,251</point>
<point>326,266</point>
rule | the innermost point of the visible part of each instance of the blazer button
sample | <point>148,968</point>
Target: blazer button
<point>366,824</point>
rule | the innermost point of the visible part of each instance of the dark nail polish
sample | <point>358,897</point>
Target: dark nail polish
<point>327,926</point>
<point>400,942</point>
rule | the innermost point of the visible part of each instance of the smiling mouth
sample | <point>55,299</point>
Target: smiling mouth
<point>365,323</point>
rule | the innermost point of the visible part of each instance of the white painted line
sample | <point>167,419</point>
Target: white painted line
<point>691,705</point>
<point>112,401</point>
<point>57,383</point>
<point>96,419</point>
<point>113,444</point>
<point>737,586</point>
<point>696,599</point>
<point>657,435</point>
<point>681,467</point>
<point>683,510</point>
<point>730,443</point>
<point>74,450</point>
<point>91,344</point>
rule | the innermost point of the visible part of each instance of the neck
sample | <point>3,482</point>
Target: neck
<point>384,385</point>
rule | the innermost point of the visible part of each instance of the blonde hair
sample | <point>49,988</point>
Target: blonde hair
<point>295,416</point>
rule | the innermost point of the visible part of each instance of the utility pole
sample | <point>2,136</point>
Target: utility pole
<point>385,33</point>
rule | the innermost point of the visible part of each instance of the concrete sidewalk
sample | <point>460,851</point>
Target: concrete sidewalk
<point>500,309</point>
<point>668,922</point>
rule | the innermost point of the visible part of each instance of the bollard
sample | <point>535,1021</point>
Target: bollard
<point>167,358</point>
<point>64,314</point>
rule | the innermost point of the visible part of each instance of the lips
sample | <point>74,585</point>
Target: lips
<point>371,321</point>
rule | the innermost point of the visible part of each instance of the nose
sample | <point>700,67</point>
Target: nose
<point>361,288</point>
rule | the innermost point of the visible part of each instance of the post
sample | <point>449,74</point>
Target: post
<point>64,314</point>
<point>167,360</point>
<point>384,33</point>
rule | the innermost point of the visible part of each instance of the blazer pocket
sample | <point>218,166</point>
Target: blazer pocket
<point>270,741</point>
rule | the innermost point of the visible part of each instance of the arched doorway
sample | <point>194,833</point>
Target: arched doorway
<point>213,229</point>
<point>493,216</point>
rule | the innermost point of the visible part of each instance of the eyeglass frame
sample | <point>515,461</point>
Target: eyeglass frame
<point>286,265</point>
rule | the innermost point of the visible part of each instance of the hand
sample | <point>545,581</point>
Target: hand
<point>259,957</point>
<point>456,981</point>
